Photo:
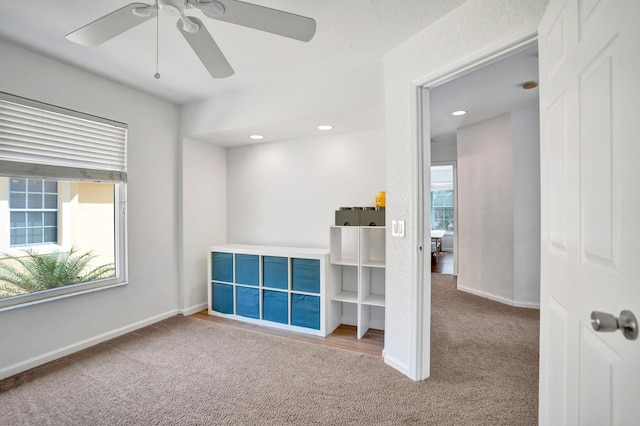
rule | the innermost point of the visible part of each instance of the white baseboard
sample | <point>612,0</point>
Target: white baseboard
<point>500,299</point>
<point>528,305</point>
<point>70,349</point>
<point>394,363</point>
<point>194,309</point>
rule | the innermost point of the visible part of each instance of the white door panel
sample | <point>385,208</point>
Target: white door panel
<point>590,148</point>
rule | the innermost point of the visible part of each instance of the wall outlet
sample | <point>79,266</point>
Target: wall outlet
<point>397,228</point>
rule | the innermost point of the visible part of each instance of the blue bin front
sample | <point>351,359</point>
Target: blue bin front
<point>248,302</point>
<point>248,269</point>
<point>222,298</point>
<point>275,306</point>
<point>222,267</point>
<point>305,311</point>
<point>305,275</point>
<point>275,271</point>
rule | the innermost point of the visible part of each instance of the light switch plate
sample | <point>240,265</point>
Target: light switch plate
<point>397,228</point>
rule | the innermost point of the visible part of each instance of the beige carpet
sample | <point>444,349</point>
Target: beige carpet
<point>186,371</point>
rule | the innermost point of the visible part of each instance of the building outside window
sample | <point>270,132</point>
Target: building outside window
<point>33,210</point>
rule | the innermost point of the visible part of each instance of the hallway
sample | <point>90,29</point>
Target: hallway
<point>444,265</point>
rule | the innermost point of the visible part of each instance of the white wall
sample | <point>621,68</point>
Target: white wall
<point>470,33</point>
<point>203,216</point>
<point>442,176</point>
<point>485,209</point>
<point>286,193</point>
<point>499,209</point>
<point>354,92</point>
<point>54,328</point>
<point>525,131</point>
<point>34,334</point>
<point>291,204</point>
<point>443,152</point>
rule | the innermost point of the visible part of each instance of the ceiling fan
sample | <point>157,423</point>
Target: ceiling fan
<point>246,14</point>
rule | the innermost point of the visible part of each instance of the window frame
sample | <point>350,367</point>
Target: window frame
<point>60,171</point>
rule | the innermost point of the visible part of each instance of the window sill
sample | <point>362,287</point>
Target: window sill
<point>32,299</point>
<point>38,249</point>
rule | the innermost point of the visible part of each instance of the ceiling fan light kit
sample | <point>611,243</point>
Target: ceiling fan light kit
<point>249,15</point>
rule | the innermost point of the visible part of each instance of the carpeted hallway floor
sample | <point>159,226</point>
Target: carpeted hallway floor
<point>185,371</point>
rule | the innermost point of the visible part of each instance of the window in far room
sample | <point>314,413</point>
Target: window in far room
<point>442,198</point>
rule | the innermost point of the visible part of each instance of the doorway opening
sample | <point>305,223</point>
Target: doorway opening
<point>443,218</point>
<point>494,145</point>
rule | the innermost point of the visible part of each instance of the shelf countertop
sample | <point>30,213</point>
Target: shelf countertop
<point>270,250</point>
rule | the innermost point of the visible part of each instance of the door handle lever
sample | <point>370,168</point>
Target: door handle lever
<point>602,321</point>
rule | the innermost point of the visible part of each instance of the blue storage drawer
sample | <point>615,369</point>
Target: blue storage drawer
<point>275,306</point>
<point>305,311</point>
<point>222,298</point>
<point>248,302</point>
<point>248,269</point>
<point>305,275</point>
<point>222,267</point>
<point>275,272</point>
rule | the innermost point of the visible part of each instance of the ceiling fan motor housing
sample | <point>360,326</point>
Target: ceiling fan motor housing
<point>172,7</point>
<point>249,15</point>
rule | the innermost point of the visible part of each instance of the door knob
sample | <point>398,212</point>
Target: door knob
<point>602,321</point>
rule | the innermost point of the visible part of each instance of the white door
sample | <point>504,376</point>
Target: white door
<point>590,153</point>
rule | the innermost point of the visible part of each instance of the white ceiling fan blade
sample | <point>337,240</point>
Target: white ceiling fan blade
<point>109,26</point>
<point>207,50</point>
<point>188,24</point>
<point>261,18</point>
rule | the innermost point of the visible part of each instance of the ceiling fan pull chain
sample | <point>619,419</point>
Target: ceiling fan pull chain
<point>194,31</point>
<point>157,74</point>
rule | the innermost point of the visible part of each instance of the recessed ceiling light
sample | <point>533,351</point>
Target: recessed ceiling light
<point>459,112</point>
<point>325,127</point>
<point>256,137</point>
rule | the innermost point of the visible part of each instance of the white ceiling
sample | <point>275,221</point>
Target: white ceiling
<point>487,92</point>
<point>349,34</point>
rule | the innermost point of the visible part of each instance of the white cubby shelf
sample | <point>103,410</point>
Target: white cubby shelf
<point>357,280</point>
<point>282,287</point>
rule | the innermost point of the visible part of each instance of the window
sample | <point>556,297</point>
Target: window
<point>442,198</point>
<point>33,210</point>
<point>442,209</point>
<point>62,202</point>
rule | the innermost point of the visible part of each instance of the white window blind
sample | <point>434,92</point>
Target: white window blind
<point>45,141</point>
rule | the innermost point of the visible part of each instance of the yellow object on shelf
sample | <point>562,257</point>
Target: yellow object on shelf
<point>380,199</point>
